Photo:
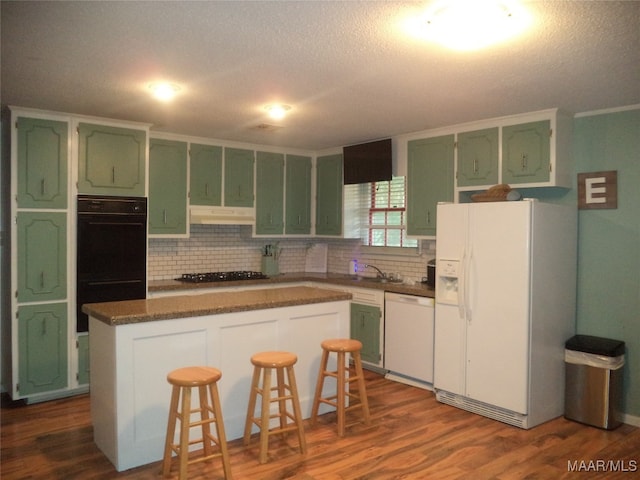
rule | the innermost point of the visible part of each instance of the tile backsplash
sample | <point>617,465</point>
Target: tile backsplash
<point>212,248</point>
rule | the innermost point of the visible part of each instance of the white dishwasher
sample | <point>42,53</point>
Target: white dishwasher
<point>408,354</point>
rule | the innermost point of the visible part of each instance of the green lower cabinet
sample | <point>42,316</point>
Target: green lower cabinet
<point>42,348</point>
<point>365,326</point>
<point>83,359</point>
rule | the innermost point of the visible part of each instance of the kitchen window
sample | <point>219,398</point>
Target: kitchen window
<point>381,212</point>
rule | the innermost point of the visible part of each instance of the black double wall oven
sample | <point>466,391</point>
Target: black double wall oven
<point>111,251</point>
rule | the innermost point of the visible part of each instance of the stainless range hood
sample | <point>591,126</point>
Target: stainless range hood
<point>207,215</point>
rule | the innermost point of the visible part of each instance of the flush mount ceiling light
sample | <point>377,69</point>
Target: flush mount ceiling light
<point>277,111</point>
<point>472,24</point>
<point>164,91</point>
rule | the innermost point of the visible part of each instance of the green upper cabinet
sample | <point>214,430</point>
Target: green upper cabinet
<point>365,326</point>
<point>167,187</point>
<point>329,195</point>
<point>526,153</point>
<point>42,256</point>
<point>238,177</point>
<point>205,175</point>
<point>269,193</point>
<point>478,157</point>
<point>42,150</point>
<point>42,348</point>
<point>298,195</point>
<point>111,160</point>
<point>429,181</point>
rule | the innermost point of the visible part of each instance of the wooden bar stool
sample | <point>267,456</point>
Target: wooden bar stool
<point>341,346</point>
<point>264,363</point>
<point>183,380</point>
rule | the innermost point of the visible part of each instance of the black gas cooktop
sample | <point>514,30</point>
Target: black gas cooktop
<point>220,276</point>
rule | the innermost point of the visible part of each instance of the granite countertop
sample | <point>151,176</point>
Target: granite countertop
<point>417,288</point>
<point>182,306</point>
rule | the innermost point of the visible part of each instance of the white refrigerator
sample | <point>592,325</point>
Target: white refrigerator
<point>505,305</point>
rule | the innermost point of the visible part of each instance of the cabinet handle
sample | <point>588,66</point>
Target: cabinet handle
<point>164,216</point>
<point>428,217</point>
<point>113,175</point>
<point>524,161</point>
<point>206,189</point>
<point>475,165</point>
<point>42,279</point>
<point>298,219</point>
<point>42,184</point>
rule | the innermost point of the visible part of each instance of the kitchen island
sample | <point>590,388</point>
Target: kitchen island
<point>134,344</point>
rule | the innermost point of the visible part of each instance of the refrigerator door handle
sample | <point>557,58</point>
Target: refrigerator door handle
<point>461,285</point>
<point>467,300</point>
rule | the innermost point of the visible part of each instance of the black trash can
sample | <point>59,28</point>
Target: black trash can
<point>593,386</point>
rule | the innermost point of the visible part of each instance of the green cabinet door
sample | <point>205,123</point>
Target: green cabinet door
<point>526,152</point>
<point>111,160</point>
<point>329,195</point>
<point>269,193</point>
<point>42,163</point>
<point>42,348</point>
<point>429,181</point>
<point>238,177</point>
<point>167,187</point>
<point>365,326</point>
<point>42,256</point>
<point>205,175</point>
<point>478,157</point>
<point>83,359</point>
<point>298,195</point>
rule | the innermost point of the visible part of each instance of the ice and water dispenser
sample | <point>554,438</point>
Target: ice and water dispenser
<point>448,281</point>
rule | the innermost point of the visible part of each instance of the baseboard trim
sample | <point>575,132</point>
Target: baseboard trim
<point>45,397</point>
<point>631,420</point>
<point>395,377</point>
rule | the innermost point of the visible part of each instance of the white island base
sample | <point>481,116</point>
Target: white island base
<point>129,365</point>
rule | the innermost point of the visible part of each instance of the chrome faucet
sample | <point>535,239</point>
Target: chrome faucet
<point>380,274</point>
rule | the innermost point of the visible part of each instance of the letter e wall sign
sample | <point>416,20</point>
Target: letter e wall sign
<point>598,190</point>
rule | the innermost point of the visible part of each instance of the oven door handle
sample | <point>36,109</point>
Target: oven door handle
<point>113,282</point>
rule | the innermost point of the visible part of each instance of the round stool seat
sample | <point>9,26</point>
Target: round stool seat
<point>274,359</point>
<point>341,345</point>
<point>194,376</point>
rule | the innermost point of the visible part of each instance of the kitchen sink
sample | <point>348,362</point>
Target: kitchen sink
<point>377,280</point>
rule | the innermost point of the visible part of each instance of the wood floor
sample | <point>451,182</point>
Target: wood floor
<point>412,436</point>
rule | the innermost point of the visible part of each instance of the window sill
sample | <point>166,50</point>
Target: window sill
<point>392,251</point>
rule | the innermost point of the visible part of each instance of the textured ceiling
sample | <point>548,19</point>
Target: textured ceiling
<point>349,72</point>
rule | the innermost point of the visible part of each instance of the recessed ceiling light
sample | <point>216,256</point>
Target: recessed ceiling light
<point>277,111</point>
<point>164,91</point>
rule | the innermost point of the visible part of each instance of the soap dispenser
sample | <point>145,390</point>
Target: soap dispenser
<point>353,268</point>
